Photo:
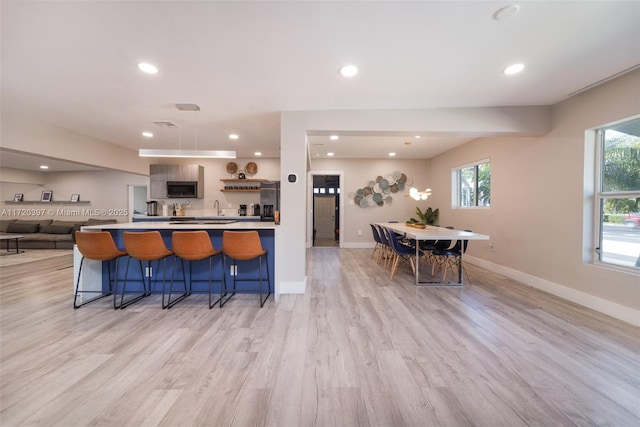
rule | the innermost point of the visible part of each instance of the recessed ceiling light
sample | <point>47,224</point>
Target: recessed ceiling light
<point>257,153</point>
<point>392,154</point>
<point>349,70</point>
<point>329,154</point>
<point>513,69</point>
<point>148,68</point>
<point>506,12</point>
<point>334,137</point>
<point>233,136</point>
<point>417,136</point>
<point>44,167</point>
<point>147,134</point>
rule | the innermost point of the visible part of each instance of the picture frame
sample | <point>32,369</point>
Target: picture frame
<point>19,197</point>
<point>75,198</point>
<point>46,196</point>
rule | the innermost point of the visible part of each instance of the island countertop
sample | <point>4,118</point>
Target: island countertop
<point>218,224</point>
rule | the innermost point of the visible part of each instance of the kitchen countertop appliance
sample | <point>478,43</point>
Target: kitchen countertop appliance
<point>269,199</point>
<point>152,208</point>
<point>256,209</point>
<point>243,210</point>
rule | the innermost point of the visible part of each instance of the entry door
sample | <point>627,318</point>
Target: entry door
<point>324,216</point>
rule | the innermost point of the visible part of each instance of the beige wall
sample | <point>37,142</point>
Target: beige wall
<point>537,202</point>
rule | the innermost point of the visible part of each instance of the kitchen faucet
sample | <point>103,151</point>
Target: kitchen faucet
<point>217,204</point>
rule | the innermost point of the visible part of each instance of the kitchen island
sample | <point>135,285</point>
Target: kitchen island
<point>94,273</point>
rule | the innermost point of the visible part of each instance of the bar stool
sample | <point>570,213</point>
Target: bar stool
<point>245,246</point>
<point>144,246</point>
<point>97,246</point>
<point>194,246</point>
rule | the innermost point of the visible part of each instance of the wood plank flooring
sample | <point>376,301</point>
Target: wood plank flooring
<point>355,350</point>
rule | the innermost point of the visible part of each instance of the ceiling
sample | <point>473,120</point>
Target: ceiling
<point>74,64</point>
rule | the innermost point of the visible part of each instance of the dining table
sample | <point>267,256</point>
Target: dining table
<point>431,233</point>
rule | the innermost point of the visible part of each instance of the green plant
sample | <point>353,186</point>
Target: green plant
<point>428,217</point>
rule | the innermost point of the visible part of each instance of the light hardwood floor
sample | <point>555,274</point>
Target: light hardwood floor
<point>355,350</point>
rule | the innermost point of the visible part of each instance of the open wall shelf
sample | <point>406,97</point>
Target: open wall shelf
<point>37,202</point>
<point>241,185</point>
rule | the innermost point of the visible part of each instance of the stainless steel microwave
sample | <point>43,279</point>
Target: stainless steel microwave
<point>182,189</point>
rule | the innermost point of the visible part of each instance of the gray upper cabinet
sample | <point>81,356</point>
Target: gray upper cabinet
<point>160,174</point>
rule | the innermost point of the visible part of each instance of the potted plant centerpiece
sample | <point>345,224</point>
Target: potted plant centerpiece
<point>428,217</point>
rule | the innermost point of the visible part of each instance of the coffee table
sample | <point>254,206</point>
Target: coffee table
<point>8,237</point>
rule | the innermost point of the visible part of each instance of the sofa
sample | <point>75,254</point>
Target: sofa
<point>45,233</point>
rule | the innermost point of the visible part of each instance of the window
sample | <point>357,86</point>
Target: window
<point>618,195</point>
<point>472,185</point>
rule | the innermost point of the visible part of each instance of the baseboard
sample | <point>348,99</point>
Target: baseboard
<point>293,287</point>
<point>620,312</point>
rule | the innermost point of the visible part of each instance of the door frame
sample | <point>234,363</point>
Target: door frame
<point>310,175</point>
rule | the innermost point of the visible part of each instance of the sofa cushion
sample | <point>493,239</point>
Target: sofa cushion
<point>4,224</point>
<point>58,227</point>
<point>24,227</point>
<point>47,237</point>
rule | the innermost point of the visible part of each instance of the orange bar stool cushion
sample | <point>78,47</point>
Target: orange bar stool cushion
<point>97,245</point>
<point>193,245</point>
<point>242,245</point>
<point>145,245</point>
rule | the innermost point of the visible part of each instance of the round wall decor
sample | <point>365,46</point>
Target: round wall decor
<point>251,168</point>
<point>232,168</point>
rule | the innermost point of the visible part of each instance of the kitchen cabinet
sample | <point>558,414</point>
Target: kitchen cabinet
<point>160,174</point>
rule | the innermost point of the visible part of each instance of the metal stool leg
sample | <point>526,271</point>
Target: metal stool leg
<point>185,294</point>
<point>224,278</point>
<point>145,293</point>
<point>268,281</point>
<point>75,297</point>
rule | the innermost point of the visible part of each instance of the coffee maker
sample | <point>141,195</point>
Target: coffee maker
<point>256,209</point>
<point>243,210</point>
<point>152,208</point>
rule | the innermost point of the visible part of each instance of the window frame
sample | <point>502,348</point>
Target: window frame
<point>600,196</point>
<point>456,183</point>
